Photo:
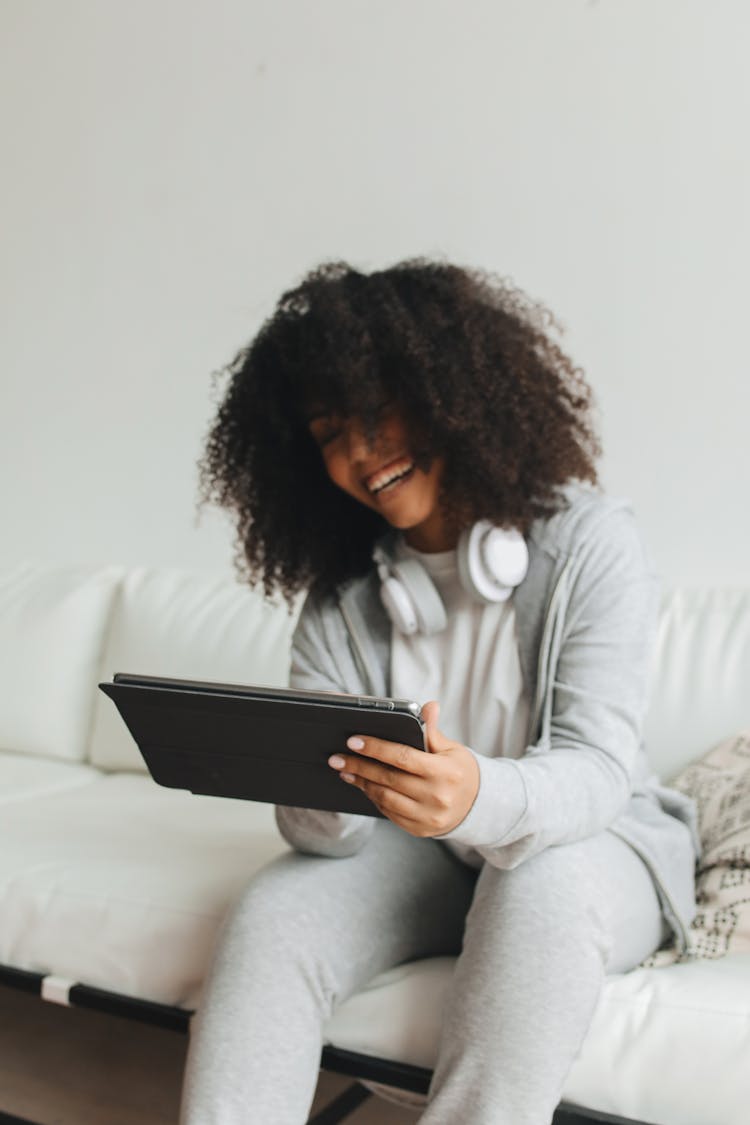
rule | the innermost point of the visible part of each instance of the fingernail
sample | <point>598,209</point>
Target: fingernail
<point>336,761</point>
<point>355,743</point>
<point>347,776</point>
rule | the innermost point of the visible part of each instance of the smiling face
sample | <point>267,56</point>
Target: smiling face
<point>383,475</point>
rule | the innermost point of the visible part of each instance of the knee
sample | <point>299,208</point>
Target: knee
<point>556,890</point>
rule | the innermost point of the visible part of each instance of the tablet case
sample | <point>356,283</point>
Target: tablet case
<point>224,743</point>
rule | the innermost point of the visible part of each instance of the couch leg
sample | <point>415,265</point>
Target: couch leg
<point>340,1108</point>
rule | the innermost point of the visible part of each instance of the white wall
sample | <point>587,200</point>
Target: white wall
<point>170,165</point>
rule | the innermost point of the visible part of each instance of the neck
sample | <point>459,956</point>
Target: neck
<point>432,536</point>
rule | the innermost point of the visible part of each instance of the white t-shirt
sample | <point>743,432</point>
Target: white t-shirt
<point>472,668</point>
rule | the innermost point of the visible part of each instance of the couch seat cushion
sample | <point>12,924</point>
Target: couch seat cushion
<point>122,885</point>
<point>23,776</point>
<point>666,1045</point>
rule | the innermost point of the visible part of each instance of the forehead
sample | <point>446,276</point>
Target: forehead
<point>368,408</point>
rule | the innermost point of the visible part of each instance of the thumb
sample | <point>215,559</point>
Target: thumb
<point>434,738</point>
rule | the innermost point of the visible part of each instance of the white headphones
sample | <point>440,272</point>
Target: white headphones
<point>492,561</point>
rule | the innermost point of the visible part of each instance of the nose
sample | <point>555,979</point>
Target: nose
<point>358,443</point>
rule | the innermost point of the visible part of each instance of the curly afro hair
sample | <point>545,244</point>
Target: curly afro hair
<point>470,362</point>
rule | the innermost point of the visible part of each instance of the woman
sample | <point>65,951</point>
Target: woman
<point>413,448</point>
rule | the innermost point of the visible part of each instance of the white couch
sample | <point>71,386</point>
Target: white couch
<point>112,888</point>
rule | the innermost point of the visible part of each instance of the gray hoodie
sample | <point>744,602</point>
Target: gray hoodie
<point>586,617</point>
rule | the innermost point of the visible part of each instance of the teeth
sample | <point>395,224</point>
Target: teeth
<point>382,480</point>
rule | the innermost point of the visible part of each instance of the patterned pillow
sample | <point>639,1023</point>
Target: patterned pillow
<point>720,784</point>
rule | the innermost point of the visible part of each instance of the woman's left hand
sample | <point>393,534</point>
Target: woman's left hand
<point>427,794</point>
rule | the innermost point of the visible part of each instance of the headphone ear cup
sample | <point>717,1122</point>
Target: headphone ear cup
<point>411,600</point>
<point>492,561</point>
<point>421,589</point>
<point>399,606</point>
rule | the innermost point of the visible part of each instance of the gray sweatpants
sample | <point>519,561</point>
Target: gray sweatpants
<point>309,931</point>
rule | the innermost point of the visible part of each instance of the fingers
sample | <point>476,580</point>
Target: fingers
<point>434,738</point>
<point>403,810</point>
<point>381,770</point>
<point>378,774</point>
<point>413,789</point>
<point>431,713</point>
<point>392,803</point>
<point>393,754</point>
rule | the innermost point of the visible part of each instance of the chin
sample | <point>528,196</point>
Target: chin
<point>406,522</point>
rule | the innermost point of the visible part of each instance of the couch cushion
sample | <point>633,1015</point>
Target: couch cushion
<point>121,884</point>
<point>190,626</point>
<point>23,776</point>
<point>665,1045</point>
<point>701,670</point>
<point>52,626</point>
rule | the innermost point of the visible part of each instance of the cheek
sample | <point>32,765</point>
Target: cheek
<point>339,470</point>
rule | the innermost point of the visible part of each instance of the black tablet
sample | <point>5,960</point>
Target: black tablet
<point>256,743</point>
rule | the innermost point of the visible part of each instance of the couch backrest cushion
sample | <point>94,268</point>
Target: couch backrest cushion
<point>204,627</point>
<point>190,626</point>
<point>701,676</point>
<point>52,628</point>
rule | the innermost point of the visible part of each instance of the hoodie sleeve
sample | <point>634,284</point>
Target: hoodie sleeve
<point>577,779</point>
<point>317,831</point>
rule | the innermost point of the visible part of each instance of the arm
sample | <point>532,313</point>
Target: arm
<point>316,831</point>
<point>577,779</point>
